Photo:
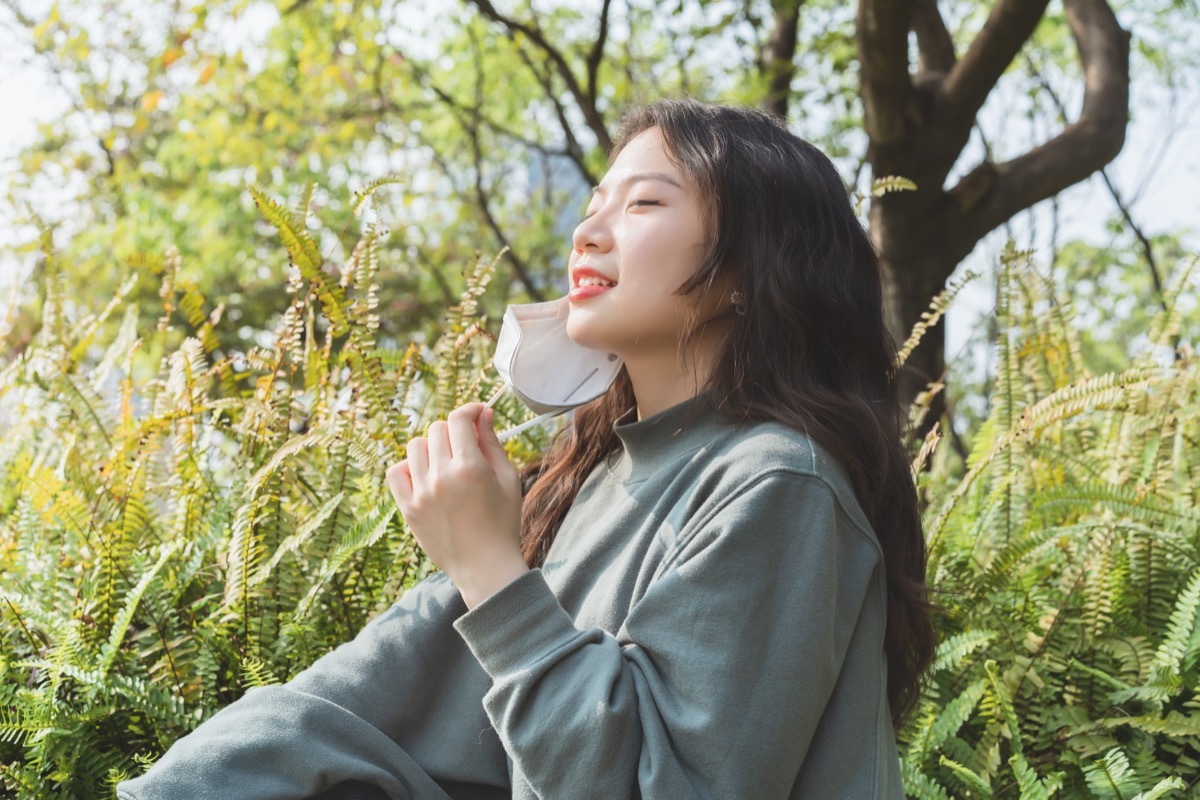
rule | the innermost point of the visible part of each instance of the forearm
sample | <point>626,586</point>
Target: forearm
<point>279,743</point>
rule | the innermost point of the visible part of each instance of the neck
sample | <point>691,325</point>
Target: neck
<point>661,380</point>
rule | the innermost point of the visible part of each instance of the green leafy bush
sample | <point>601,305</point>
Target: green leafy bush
<point>1069,554</point>
<point>169,540</point>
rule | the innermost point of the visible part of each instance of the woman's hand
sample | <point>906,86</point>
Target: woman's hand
<point>461,498</point>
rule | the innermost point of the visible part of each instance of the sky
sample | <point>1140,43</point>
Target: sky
<point>1158,173</point>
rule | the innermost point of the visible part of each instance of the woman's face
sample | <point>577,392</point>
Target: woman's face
<point>643,233</point>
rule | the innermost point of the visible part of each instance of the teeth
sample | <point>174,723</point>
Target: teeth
<point>590,281</point>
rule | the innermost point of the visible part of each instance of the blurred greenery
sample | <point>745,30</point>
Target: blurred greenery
<point>176,108</point>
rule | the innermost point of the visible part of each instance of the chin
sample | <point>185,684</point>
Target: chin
<point>586,335</point>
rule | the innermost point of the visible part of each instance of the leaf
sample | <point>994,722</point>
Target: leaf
<point>891,183</point>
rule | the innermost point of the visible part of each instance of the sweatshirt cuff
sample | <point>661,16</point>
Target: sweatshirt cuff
<point>516,626</point>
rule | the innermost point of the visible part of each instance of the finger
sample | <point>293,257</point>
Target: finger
<point>418,463</point>
<point>400,480</point>
<point>464,439</point>
<point>440,452</point>
<point>492,449</point>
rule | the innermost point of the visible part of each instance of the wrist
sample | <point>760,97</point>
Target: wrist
<point>478,584</point>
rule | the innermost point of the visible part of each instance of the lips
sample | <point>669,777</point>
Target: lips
<point>587,282</point>
<point>579,274</point>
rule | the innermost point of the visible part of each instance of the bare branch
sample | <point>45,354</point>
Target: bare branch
<point>1122,206</point>
<point>484,203</point>
<point>573,148</point>
<point>1170,128</point>
<point>435,268</point>
<point>585,101</point>
<point>935,48</point>
<point>449,100</point>
<point>882,35</point>
<point>482,198</point>
<point>597,52</point>
<point>992,193</point>
<point>966,87</point>
<point>777,60</point>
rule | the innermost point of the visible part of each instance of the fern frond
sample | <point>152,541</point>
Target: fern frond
<point>1180,641</point>
<point>937,308</point>
<point>297,539</point>
<point>891,183</point>
<point>1111,777</point>
<point>365,533</point>
<point>1110,390</point>
<point>366,192</point>
<point>120,627</point>
<point>1162,788</point>
<point>968,778</point>
<point>307,258</point>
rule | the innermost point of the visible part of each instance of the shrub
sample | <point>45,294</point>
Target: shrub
<point>169,542</point>
<point>1069,554</point>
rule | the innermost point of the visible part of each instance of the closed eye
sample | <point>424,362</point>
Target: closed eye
<point>645,203</point>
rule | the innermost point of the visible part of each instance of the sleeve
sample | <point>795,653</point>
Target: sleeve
<point>399,706</point>
<point>716,682</point>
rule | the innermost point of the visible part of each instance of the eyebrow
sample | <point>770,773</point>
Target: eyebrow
<point>637,177</point>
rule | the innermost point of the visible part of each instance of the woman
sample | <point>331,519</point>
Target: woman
<point>714,585</point>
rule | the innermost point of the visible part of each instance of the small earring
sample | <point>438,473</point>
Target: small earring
<point>739,301</point>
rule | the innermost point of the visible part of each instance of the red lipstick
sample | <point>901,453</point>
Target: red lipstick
<point>583,292</point>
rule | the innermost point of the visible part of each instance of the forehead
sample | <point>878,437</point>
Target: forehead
<point>647,147</point>
<point>644,156</point>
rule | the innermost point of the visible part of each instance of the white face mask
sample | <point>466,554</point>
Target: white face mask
<point>544,367</point>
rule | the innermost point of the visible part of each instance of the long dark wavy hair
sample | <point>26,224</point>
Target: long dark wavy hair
<point>812,353</point>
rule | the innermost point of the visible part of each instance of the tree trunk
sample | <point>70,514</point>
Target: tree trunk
<point>914,270</point>
<point>917,126</point>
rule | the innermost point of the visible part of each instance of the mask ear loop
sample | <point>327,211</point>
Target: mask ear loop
<point>499,393</point>
<point>504,436</point>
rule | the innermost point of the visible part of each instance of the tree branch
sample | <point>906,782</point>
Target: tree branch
<point>484,203</point>
<point>992,193</point>
<point>935,48</point>
<point>777,60</point>
<point>585,101</point>
<point>483,200</point>
<point>424,80</point>
<point>968,84</point>
<point>596,55</point>
<point>573,148</point>
<point>1122,206</point>
<point>882,35</point>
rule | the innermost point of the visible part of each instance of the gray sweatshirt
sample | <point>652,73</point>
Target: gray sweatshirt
<point>708,623</point>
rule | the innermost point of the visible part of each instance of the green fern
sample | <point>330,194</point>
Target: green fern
<point>160,555</point>
<point>1071,548</point>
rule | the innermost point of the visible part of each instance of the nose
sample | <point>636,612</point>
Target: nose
<point>592,233</point>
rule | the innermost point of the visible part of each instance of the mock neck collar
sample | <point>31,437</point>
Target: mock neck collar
<point>649,443</point>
